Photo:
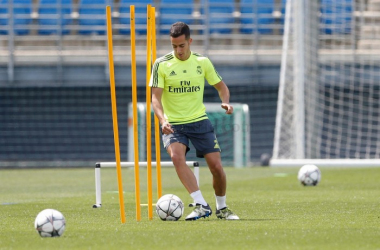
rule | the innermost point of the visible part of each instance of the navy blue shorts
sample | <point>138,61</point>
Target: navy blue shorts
<point>201,134</point>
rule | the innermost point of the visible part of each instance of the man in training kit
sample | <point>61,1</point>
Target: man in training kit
<point>177,82</point>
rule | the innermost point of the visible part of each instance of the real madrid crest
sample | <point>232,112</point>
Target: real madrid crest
<point>199,70</point>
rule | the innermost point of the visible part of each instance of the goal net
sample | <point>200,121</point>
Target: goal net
<point>328,102</point>
<point>232,132</point>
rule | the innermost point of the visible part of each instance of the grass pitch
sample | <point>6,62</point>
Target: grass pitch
<point>276,212</point>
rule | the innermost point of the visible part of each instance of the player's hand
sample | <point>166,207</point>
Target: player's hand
<point>229,109</point>
<point>166,128</point>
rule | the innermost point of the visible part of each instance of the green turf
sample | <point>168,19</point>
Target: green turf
<point>276,212</point>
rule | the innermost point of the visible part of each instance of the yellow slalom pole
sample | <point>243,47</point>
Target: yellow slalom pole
<point>156,122</point>
<point>135,118</point>
<point>148,114</point>
<point>114,114</point>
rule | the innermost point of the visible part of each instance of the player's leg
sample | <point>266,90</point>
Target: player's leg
<point>219,181</point>
<point>176,145</point>
<point>207,146</point>
<point>177,152</point>
<point>214,163</point>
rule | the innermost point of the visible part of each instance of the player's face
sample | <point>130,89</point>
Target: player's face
<point>181,47</point>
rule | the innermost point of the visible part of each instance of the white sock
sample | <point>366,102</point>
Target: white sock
<point>220,202</point>
<point>198,198</point>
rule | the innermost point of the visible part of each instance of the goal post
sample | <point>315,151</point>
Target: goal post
<point>328,109</point>
<point>232,131</point>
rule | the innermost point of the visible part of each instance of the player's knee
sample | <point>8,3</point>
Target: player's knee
<point>217,170</point>
<point>177,158</point>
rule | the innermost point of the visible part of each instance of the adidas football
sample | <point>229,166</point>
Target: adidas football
<point>169,207</point>
<point>309,175</point>
<point>50,223</point>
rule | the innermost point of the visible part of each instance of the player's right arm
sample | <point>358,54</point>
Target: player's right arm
<point>159,110</point>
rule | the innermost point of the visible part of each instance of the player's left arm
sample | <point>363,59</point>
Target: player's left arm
<point>224,94</point>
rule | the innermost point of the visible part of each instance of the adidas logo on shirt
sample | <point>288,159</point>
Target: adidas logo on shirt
<point>172,73</point>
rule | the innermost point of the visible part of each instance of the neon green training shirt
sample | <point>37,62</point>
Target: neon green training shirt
<point>183,85</point>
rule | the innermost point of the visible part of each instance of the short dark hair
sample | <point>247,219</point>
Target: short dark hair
<point>179,29</point>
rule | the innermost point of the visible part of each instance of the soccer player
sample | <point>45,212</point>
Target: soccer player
<point>177,82</point>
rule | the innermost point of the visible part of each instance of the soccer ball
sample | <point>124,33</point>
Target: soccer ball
<point>50,223</point>
<point>309,175</point>
<point>169,207</point>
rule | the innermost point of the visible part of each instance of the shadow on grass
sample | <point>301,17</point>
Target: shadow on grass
<point>258,219</point>
<point>215,219</point>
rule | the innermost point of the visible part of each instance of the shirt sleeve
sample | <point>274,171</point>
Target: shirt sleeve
<point>157,78</point>
<point>211,74</point>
